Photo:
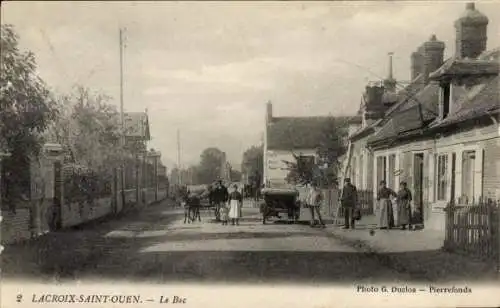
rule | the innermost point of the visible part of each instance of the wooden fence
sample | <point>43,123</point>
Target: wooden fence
<point>331,197</point>
<point>472,227</point>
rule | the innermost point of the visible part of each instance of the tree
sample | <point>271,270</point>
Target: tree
<point>27,108</point>
<point>253,164</point>
<point>324,171</point>
<point>210,166</point>
<point>302,171</point>
<point>89,129</point>
<point>332,144</point>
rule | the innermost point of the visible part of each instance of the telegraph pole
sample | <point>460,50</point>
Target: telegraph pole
<point>179,155</point>
<point>122,118</point>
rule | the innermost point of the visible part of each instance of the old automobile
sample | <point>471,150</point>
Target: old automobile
<point>282,199</point>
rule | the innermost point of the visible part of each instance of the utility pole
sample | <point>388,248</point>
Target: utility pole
<point>179,155</point>
<point>122,118</point>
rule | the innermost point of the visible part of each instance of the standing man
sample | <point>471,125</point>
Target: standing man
<point>315,199</point>
<point>221,197</point>
<point>349,201</point>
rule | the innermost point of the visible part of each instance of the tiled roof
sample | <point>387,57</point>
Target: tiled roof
<point>480,100</point>
<point>137,125</point>
<point>466,67</point>
<point>402,95</point>
<point>411,115</point>
<point>493,54</point>
<point>285,133</point>
<point>364,130</point>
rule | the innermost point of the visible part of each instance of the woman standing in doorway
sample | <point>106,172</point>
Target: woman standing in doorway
<point>385,213</point>
<point>235,204</point>
<point>404,206</point>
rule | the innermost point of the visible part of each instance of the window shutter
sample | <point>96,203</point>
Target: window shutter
<point>432,167</point>
<point>478,174</point>
<point>426,176</point>
<point>448,165</point>
<point>395,172</point>
<point>458,174</point>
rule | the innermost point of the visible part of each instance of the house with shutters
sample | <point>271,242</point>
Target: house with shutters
<point>285,137</point>
<point>443,137</point>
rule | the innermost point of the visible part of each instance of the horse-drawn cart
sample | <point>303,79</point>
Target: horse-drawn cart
<point>278,201</point>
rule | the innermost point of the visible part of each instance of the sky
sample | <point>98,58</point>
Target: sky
<point>207,69</point>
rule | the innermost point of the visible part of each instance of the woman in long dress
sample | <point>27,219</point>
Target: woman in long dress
<point>404,206</point>
<point>235,203</point>
<point>385,213</point>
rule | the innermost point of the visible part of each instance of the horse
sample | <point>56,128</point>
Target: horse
<point>192,209</point>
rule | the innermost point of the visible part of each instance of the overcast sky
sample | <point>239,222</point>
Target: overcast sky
<point>209,68</point>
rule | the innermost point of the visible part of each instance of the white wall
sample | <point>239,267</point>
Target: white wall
<point>274,168</point>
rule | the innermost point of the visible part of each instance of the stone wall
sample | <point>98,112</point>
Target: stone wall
<point>15,226</point>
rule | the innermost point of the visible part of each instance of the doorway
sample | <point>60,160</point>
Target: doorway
<point>418,185</point>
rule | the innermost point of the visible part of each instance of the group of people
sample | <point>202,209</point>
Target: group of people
<point>227,204</point>
<point>384,208</point>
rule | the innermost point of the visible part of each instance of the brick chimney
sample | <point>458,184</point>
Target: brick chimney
<point>269,112</point>
<point>427,58</point>
<point>390,83</point>
<point>471,33</point>
<point>433,53</point>
<point>373,108</point>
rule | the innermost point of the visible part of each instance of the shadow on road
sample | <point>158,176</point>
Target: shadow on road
<point>89,253</point>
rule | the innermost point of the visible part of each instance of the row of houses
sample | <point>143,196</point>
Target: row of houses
<point>52,200</point>
<point>439,133</point>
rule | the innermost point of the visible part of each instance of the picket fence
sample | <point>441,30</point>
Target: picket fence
<point>472,227</point>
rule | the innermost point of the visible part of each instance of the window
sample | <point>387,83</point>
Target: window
<point>446,100</point>
<point>468,171</point>
<point>361,172</point>
<point>381,167</point>
<point>441,176</point>
<point>391,180</point>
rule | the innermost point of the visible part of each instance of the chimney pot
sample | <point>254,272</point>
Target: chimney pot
<point>470,6</point>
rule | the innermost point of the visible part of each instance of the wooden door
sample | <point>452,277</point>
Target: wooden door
<point>418,185</point>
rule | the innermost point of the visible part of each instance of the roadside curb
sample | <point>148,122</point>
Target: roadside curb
<point>386,260</point>
<point>416,269</point>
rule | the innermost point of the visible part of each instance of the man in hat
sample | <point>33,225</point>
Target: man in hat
<point>349,201</point>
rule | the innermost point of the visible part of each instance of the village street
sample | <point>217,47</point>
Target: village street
<point>156,246</point>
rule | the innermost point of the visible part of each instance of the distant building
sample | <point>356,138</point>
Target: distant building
<point>286,136</point>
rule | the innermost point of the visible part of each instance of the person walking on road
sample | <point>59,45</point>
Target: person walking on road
<point>235,204</point>
<point>349,200</point>
<point>385,213</point>
<point>315,199</point>
<point>404,206</point>
<point>221,196</point>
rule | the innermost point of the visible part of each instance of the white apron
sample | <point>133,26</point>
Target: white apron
<point>234,209</point>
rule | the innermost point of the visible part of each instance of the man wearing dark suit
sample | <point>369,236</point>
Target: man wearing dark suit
<point>349,201</point>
